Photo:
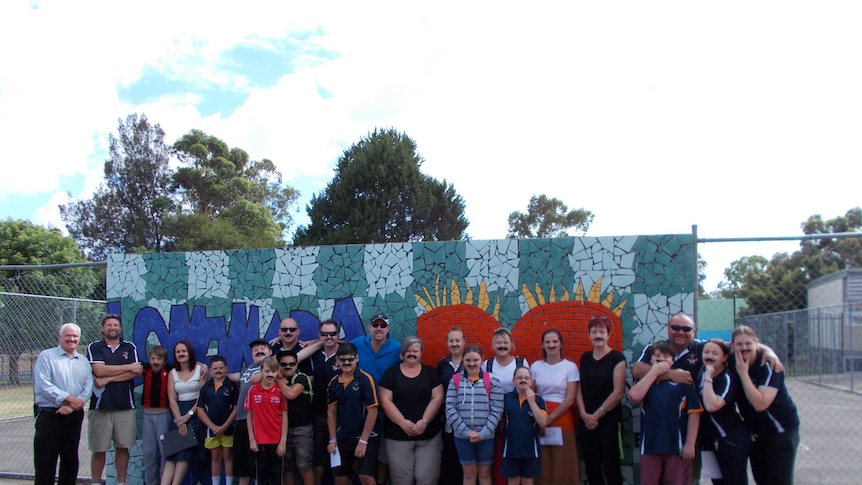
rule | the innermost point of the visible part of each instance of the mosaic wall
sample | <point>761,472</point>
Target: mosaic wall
<point>221,300</point>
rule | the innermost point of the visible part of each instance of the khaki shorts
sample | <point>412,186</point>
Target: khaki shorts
<point>216,441</point>
<point>104,425</point>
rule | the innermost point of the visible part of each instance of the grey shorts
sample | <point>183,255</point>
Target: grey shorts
<point>300,448</point>
<point>104,425</point>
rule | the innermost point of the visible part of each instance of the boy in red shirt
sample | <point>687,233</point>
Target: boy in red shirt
<point>267,424</point>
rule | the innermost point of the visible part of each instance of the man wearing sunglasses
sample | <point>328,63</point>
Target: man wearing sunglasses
<point>288,339</point>
<point>297,388</point>
<point>377,352</point>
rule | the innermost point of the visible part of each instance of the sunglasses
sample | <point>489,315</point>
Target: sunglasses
<point>329,334</point>
<point>346,360</point>
<point>681,328</point>
<point>289,329</point>
<point>287,365</point>
<point>379,324</point>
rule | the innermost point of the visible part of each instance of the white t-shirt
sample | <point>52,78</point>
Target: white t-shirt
<point>552,379</point>
<point>504,373</point>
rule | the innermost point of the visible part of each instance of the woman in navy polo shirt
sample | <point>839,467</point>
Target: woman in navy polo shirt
<point>768,411</point>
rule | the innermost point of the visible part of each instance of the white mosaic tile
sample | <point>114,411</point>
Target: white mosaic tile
<point>209,275</point>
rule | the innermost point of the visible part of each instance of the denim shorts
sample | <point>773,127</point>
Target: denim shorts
<point>481,453</point>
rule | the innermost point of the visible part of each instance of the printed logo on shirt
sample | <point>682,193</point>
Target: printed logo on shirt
<point>692,359</point>
<point>275,399</point>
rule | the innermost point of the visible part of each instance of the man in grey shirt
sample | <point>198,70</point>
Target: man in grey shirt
<point>63,381</point>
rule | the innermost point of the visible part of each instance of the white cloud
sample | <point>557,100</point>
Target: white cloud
<point>741,118</point>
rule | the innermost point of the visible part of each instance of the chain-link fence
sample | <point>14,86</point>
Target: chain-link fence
<point>34,302</point>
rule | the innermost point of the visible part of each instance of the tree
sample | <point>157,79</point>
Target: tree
<point>779,284</point>
<point>28,324</point>
<point>548,217</point>
<point>127,210</point>
<point>226,200</point>
<point>380,195</point>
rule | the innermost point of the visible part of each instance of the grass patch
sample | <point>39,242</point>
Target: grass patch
<point>16,401</point>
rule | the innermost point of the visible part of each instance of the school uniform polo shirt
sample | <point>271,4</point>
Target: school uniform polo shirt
<point>115,395</point>
<point>781,415</point>
<point>219,403</point>
<point>664,417</point>
<point>522,432</point>
<point>353,395</point>
<point>323,369</point>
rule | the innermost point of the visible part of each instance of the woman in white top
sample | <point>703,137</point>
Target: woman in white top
<point>184,385</point>
<point>502,366</point>
<point>556,379</point>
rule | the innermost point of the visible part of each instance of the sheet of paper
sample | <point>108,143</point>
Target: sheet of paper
<point>335,458</point>
<point>710,464</point>
<point>553,436</point>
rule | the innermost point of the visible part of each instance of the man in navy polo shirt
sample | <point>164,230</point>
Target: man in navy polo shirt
<point>115,365</point>
<point>352,419</point>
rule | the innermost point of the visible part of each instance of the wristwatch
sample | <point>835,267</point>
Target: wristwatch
<point>192,412</point>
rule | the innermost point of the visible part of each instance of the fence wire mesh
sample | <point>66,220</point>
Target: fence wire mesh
<point>814,326</point>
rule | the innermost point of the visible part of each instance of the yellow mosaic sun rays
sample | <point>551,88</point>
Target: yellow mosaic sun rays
<point>442,298</point>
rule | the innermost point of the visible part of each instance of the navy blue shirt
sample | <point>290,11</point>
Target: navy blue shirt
<point>522,432</point>
<point>726,422</point>
<point>218,404</point>
<point>688,359</point>
<point>664,417</point>
<point>781,415</point>
<point>353,395</point>
<point>323,369</point>
<point>115,395</point>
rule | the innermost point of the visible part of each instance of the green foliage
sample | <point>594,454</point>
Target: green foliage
<point>779,284</point>
<point>548,217</point>
<point>227,201</point>
<point>220,199</point>
<point>379,195</point>
<point>127,209</point>
<point>29,323</point>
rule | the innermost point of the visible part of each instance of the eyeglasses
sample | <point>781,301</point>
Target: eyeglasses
<point>329,334</point>
<point>289,329</point>
<point>346,360</point>
<point>681,328</point>
<point>287,365</point>
<point>521,378</point>
<point>379,324</point>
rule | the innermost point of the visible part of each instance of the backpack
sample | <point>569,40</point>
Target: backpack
<point>307,391</point>
<point>456,379</point>
<point>519,362</point>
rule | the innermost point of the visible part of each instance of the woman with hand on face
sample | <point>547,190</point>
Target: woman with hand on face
<point>450,468</point>
<point>603,383</point>
<point>556,379</point>
<point>474,404</point>
<point>411,396</point>
<point>184,385</point>
<point>722,429</point>
<point>768,410</point>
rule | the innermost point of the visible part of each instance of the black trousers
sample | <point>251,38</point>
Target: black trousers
<point>600,449</point>
<point>57,436</point>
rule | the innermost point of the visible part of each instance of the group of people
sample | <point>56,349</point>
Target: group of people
<point>370,408</point>
<point>712,399</point>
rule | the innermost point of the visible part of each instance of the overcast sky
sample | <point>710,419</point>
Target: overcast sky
<point>740,117</point>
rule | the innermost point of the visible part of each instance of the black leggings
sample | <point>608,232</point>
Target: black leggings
<point>601,451</point>
<point>773,457</point>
